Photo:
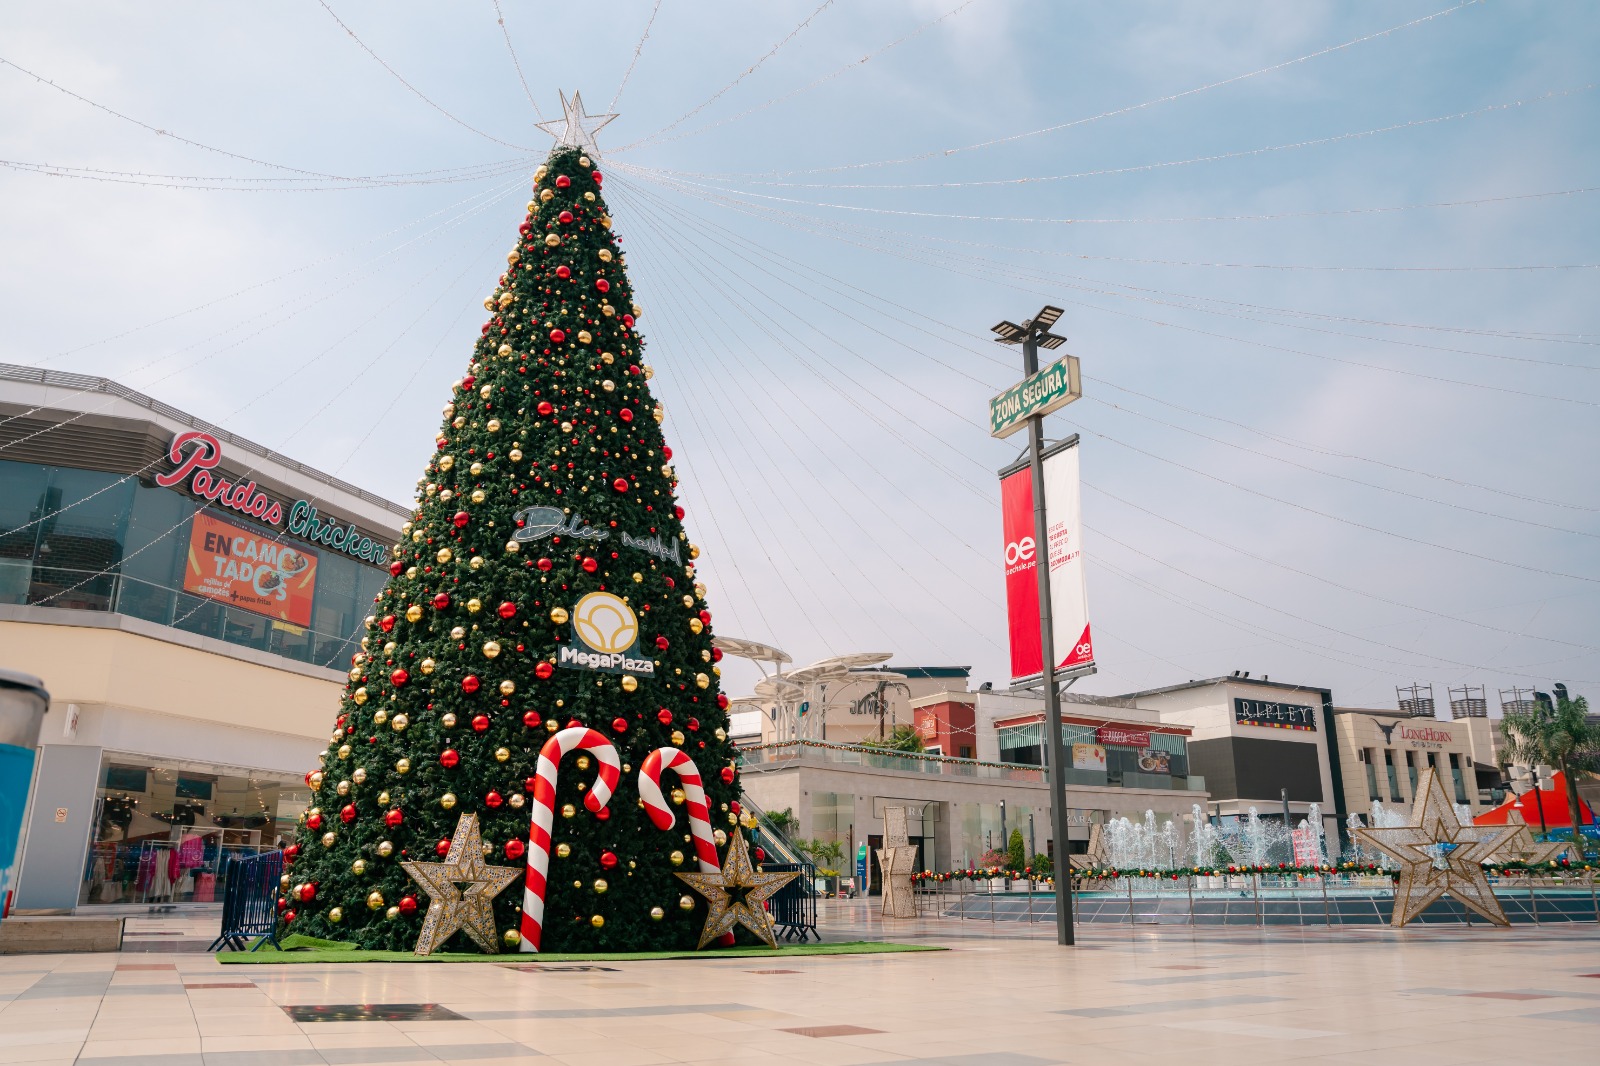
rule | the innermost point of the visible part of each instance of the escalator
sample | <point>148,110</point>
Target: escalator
<point>775,843</point>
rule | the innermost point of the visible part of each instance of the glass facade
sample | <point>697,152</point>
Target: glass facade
<point>1164,764</point>
<point>94,541</point>
<point>168,833</point>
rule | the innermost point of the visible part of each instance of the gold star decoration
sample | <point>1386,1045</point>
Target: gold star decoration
<point>738,894</point>
<point>1439,854</point>
<point>1520,846</point>
<point>471,911</point>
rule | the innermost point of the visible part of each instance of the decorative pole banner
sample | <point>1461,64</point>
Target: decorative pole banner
<point>1069,597</point>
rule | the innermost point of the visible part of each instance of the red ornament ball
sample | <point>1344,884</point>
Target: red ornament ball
<point>564,217</point>
<point>291,851</point>
<point>664,716</point>
<point>443,847</point>
<point>589,565</point>
<point>733,808</point>
<point>705,616</point>
<point>621,484</point>
<point>314,821</point>
<point>557,336</point>
<point>386,623</point>
<point>545,564</point>
<point>493,799</point>
<point>399,677</point>
<point>408,905</point>
<point>543,671</point>
<point>515,849</point>
<point>678,511</point>
<point>596,177</point>
<point>506,609</point>
<point>545,409</point>
<point>470,684</point>
<point>716,655</point>
<point>619,725</point>
<point>694,724</point>
<point>727,775</point>
<point>722,700</point>
<point>461,518</point>
<point>347,813</point>
<point>666,450</point>
<point>562,181</point>
<point>761,854</point>
<point>662,643</point>
<point>480,723</point>
<point>563,271</point>
<point>627,320</point>
<point>608,860</point>
<point>449,758</point>
<point>602,284</point>
<point>288,916</point>
<point>441,601</point>
<point>531,719</point>
<point>625,414</point>
<point>395,568</point>
<point>308,892</point>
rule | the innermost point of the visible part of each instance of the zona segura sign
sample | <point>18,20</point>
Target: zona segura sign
<point>1038,394</point>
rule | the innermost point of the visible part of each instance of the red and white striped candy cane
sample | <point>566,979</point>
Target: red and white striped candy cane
<point>544,801</point>
<point>655,804</point>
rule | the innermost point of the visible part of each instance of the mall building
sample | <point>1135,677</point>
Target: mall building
<point>191,600</point>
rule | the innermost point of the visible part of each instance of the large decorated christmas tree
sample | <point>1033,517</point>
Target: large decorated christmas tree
<point>541,639</point>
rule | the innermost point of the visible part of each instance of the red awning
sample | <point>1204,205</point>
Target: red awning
<point>1553,800</point>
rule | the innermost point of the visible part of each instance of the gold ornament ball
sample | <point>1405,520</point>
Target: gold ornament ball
<point>360,775</point>
<point>583,161</point>
<point>702,680</point>
<point>336,915</point>
<point>677,858</point>
<point>402,765</point>
<point>380,716</point>
<point>589,196</point>
<point>678,794</point>
<point>448,800</point>
<point>552,241</point>
<point>721,733</point>
<point>720,837</point>
<point>328,839</point>
<point>343,788</point>
<point>478,496</point>
<point>502,754</point>
<point>696,626</point>
<point>385,849</point>
<point>582,761</point>
<point>383,798</point>
<point>511,257</point>
<point>413,613</point>
<point>577,884</point>
<point>733,819</point>
<point>283,882</point>
<point>566,427</point>
<point>445,463</point>
<point>316,779</point>
<point>516,801</point>
<point>491,648</point>
<point>558,615</point>
<point>507,687</point>
<point>563,850</point>
<point>513,547</point>
<point>584,337</point>
<point>399,723</point>
<point>629,683</point>
<point>344,751</point>
<point>448,719</point>
<point>568,810</point>
<point>359,866</point>
<point>426,666</point>
<point>392,913</point>
<point>605,255</point>
<point>677,738</point>
<point>515,455</point>
<point>493,425</point>
<point>597,921</point>
<point>512,937</point>
<point>443,555</point>
<point>546,195</point>
<point>474,605</point>
<point>360,695</point>
<point>550,725</point>
<point>375,900</point>
<point>457,633</point>
<point>600,884</point>
<point>638,578</point>
<point>686,903</point>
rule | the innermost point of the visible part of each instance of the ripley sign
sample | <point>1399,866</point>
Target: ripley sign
<point>1274,715</point>
<point>194,455</point>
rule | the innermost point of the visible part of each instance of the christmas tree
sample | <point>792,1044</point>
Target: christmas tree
<point>545,585</point>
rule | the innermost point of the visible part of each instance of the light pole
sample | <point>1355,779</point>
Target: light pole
<point>1033,334</point>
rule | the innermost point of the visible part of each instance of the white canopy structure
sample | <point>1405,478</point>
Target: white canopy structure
<point>796,702</point>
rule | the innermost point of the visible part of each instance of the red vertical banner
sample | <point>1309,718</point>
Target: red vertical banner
<point>1022,580</point>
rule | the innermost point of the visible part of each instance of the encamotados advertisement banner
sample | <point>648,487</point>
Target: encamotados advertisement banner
<point>1068,592</point>
<point>250,570</point>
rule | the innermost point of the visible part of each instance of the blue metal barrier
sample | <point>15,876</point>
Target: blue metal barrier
<point>250,902</point>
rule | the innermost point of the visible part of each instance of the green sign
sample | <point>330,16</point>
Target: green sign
<point>1050,389</point>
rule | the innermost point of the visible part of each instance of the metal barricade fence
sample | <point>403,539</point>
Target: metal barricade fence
<point>794,907</point>
<point>250,902</point>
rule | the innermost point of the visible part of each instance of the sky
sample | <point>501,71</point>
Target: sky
<point>1330,269</point>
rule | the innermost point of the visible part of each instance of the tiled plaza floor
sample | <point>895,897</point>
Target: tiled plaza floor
<point>1001,997</point>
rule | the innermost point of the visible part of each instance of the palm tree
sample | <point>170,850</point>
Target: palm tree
<point>1557,734</point>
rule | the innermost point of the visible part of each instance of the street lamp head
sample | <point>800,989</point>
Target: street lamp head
<point>1009,333</point>
<point>1036,329</point>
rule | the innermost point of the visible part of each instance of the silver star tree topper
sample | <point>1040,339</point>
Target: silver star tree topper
<point>576,129</point>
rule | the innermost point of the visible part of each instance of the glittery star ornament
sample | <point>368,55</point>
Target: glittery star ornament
<point>1520,846</point>
<point>576,129</point>
<point>462,890</point>
<point>738,894</point>
<point>1439,854</point>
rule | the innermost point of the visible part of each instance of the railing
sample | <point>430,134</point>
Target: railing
<point>774,756</point>
<point>115,593</point>
<point>250,905</point>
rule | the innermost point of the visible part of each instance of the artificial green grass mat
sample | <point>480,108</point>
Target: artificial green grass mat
<point>304,949</point>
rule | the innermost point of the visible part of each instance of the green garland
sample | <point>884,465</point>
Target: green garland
<point>1556,868</point>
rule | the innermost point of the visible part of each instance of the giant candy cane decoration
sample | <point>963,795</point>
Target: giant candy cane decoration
<point>655,804</point>
<point>544,800</point>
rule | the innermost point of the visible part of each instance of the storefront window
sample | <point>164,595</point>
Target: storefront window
<point>95,541</point>
<point>168,833</point>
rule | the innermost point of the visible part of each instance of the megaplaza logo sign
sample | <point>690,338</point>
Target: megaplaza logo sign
<point>605,637</point>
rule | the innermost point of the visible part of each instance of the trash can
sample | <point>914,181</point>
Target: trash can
<point>23,701</point>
